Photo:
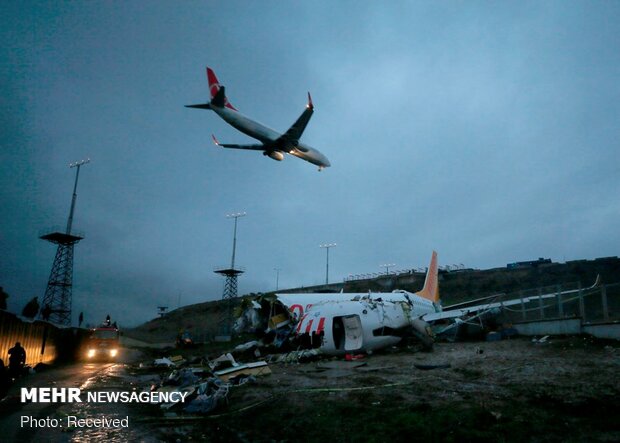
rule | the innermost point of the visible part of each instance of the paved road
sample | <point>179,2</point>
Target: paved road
<point>84,375</point>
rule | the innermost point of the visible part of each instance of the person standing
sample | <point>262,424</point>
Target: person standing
<point>17,359</point>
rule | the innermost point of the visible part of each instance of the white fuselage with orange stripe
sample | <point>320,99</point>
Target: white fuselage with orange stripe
<point>359,324</point>
<point>299,303</point>
<point>343,323</point>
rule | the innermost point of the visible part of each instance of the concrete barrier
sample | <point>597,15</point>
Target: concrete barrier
<point>571,326</point>
<point>603,330</point>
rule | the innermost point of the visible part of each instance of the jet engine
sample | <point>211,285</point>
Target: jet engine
<point>276,155</point>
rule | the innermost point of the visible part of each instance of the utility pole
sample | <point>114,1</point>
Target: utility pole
<point>77,165</point>
<point>387,267</point>
<point>327,246</point>
<point>277,276</point>
<point>235,216</point>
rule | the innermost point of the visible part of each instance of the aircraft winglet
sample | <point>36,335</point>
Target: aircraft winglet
<point>290,139</point>
<point>215,140</point>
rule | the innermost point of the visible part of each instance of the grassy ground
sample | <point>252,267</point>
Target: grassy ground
<point>563,390</point>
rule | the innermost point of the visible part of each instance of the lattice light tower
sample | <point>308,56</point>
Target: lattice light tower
<point>230,286</point>
<point>60,284</point>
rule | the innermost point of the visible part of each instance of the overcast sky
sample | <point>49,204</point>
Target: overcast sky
<point>488,131</point>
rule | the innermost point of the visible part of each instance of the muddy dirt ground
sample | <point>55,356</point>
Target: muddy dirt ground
<point>514,390</point>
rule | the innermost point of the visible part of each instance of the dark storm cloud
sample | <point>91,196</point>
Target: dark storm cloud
<point>485,131</point>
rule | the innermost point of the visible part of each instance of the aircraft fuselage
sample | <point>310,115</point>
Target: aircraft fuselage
<point>268,136</point>
<point>359,324</point>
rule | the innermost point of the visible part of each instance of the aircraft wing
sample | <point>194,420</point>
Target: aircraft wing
<point>290,138</point>
<point>461,310</point>
<point>233,146</point>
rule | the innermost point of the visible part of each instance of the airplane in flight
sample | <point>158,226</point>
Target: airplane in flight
<point>273,144</point>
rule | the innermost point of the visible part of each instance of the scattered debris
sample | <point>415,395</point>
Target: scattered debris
<point>211,394</point>
<point>246,346</point>
<point>206,382</point>
<point>258,368</point>
<point>301,356</point>
<point>163,362</point>
<point>223,361</point>
<point>182,378</point>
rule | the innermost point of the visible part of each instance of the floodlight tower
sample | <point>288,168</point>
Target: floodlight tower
<point>387,267</point>
<point>230,286</point>
<point>59,286</point>
<point>327,246</point>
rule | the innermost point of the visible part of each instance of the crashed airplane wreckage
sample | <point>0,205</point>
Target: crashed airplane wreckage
<point>343,323</point>
<point>349,323</point>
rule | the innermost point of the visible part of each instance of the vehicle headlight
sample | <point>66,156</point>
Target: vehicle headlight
<point>113,352</point>
<point>91,353</point>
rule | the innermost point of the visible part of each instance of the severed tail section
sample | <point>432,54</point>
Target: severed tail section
<point>430,291</point>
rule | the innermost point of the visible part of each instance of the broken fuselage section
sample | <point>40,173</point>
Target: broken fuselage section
<point>361,325</point>
<point>339,323</point>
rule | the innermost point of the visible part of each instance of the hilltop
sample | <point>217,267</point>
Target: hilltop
<point>201,319</point>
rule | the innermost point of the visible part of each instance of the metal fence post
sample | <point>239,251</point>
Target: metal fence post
<point>582,308</point>
<point>522,305</point>
<point>604,300</point>
<point>559,297</point>
<point>540,304</point>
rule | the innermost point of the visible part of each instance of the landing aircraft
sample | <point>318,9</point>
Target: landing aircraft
<point>273,144</point>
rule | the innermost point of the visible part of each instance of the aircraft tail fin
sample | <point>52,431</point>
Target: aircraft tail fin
<point>218,96</point>
<point>430,291</point>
